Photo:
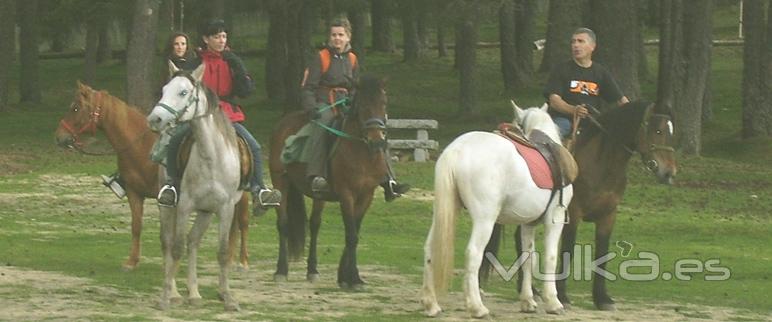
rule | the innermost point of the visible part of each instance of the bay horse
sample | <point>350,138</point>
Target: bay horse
<point>484,173</point>
<point>357,166</point>
<point>209,185</point>
<point>603,153</point>
<point>127,131</point>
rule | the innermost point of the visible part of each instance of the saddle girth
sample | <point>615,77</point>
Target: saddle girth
<point>245,159</point>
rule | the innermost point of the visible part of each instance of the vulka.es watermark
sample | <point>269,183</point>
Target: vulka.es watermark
<point>646,267</point>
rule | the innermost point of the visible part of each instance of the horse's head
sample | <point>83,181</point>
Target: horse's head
<point>655,143</point>
<point>84,116</point>
<point>369,110</point>
<point>536,118</point>
<point>183,99</point>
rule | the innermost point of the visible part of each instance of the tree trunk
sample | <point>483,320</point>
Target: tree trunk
<point>508,49</point>
<point>140,55</point>
<point>276,56</point>
<point>380,11</point>
<point>442,47</point>
<point>410,44</point>
<point>616,25</point>
<point>90,56</point>
<point>423,19</point>
<point>7,49</point>
<point>524,31</point>
<point>356,15</point>
<point>295,54</point>
<point>104,49</point>
<point>467,60</point>
<point>29,85</point>
<point>563,18</point>
<point>757,71</point>
<point>670,38</point>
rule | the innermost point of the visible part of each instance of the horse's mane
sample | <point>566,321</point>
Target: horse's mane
<point>220,119</point>
<point>622,123</point>
<point>368,90</point>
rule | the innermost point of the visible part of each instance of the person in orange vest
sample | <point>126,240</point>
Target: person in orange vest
<point>328,80</point>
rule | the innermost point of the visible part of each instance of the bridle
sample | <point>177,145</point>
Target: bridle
<point>371,123</point>
<point>91,126</point>
<point>193,100</point>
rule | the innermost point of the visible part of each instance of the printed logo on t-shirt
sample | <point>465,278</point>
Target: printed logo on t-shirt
<point>584,87</point>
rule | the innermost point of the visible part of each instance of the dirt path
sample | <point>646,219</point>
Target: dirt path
<point>36,295</point>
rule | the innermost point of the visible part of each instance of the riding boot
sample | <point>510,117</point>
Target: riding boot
<point>392,189</point>
<point>168,195</point>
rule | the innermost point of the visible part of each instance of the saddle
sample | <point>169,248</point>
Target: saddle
<point>560,169</point>
<point>245,159</point>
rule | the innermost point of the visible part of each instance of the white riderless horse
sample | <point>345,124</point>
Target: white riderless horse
<point>484,173</point>
<point>209,184</point>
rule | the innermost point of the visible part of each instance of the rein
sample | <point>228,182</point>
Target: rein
<point>373,122</point>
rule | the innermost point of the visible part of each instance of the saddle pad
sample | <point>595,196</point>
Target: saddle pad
<point>537,165</point>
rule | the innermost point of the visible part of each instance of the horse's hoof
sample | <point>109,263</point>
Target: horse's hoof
<point>128,267</point>
<point>232,306</point>
<point>528,306</point>
<point>312,278</point>
<point>195,301</point>
<point>176,300</point>
<point>163,305</point>
<point>433,310</point>
<point>279,278</point>
<point>606,307</point>
<point>480,312</point>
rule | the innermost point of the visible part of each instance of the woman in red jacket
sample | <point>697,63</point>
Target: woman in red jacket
<point>227,77</point>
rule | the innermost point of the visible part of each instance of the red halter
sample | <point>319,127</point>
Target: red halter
<point>94,117</point>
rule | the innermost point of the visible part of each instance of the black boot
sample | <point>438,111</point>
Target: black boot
<point>392,190</point>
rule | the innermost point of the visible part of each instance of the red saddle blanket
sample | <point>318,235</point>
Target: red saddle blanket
<point>537,165</point>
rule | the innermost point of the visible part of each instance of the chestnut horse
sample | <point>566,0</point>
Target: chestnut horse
<point>127,131</point>
<point>357,166</point>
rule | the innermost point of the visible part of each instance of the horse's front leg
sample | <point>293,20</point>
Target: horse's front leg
<point>312,274</point>
<point>169,293</point>
<point>527,302</point>
<point>136,204</point>
<point>603,227</point>
<point>552,231</point>
<point>568,240</point>
<point>226,213</point>
<point>282,223</point>
<point>353,212</point>
<point>194,241</point>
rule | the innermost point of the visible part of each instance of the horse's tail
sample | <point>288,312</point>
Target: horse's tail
<point>493,248</point>
<point>296,223</point>
<point>441,241</point>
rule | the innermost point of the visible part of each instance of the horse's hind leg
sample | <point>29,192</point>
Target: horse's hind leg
<point>316,222</point>
<point>222,257</point>
<point>136,204</point>
<point>527,303</point>
<point>428,292</point>
<point>481,233</point>
<point>603,227</point>
<point>552,231</point>
<point>240,227</point>
<point>194,241</point>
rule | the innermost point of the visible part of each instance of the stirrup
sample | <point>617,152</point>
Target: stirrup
<point>319,185</point>
<point>167,197</point>
<point>115,186</point>
<point>269,198</point>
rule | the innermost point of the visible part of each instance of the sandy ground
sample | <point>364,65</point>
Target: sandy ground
<point>35,295</point>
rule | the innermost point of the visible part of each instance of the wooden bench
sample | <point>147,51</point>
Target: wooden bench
<point>421,143</point>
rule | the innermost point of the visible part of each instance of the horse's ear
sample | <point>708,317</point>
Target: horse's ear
<point>518,112</point>
<point>172,67</point>
<point>544,107</point>
<point>82,87</point>
<point>198,74</point>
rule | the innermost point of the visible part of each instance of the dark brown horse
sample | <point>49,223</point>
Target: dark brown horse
<point>127,131</point>
<point>603,154</point>
<point>356,168</point>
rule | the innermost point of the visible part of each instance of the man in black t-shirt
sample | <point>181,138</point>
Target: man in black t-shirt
<point>579,82</point>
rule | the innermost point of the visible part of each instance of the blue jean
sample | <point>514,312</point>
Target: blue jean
<point>563,124</point>
<point>172,172</point>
